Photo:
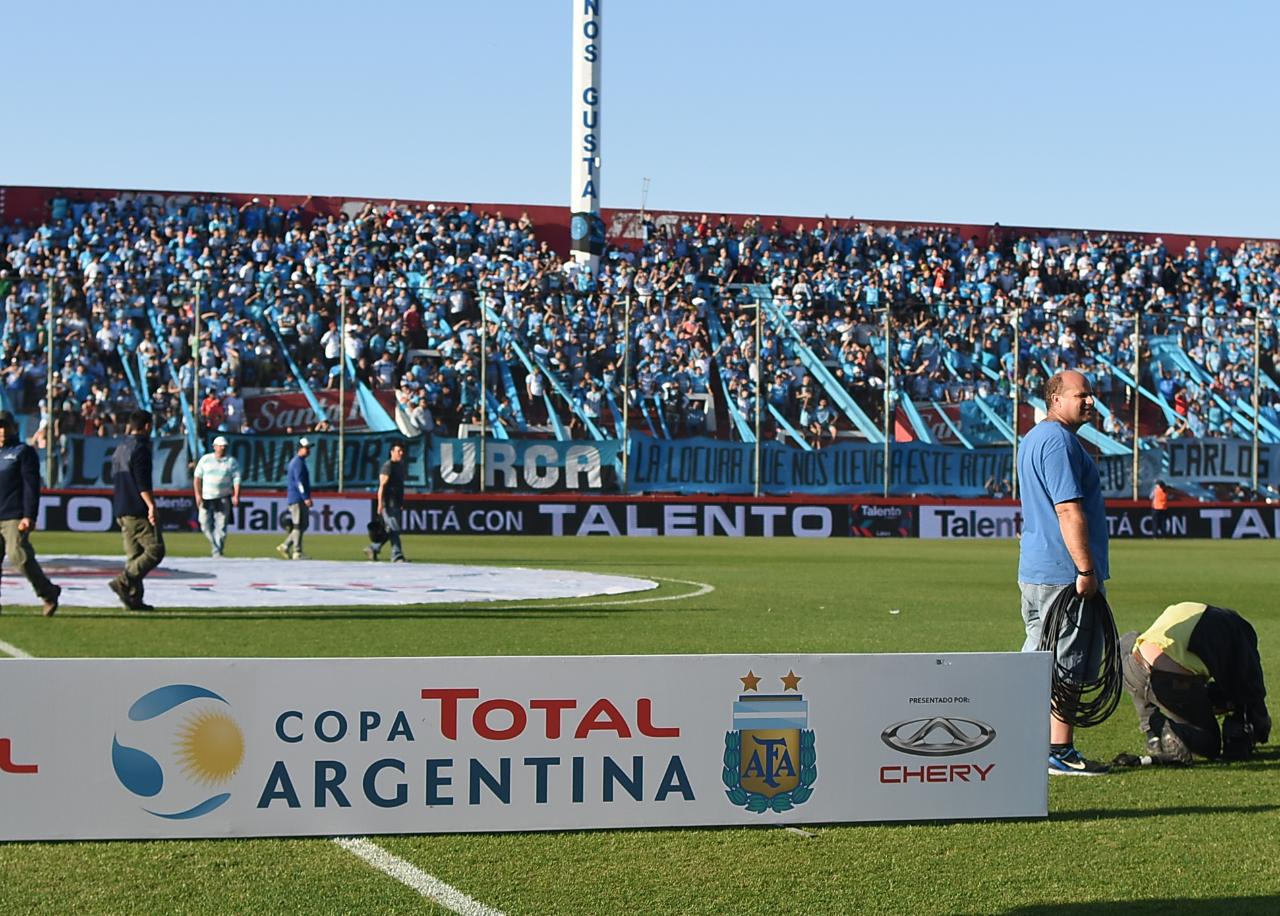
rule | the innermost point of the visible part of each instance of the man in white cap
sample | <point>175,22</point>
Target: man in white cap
<point>299,500</point>
<point>217,489</point>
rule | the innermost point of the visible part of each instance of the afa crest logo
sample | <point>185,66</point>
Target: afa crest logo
<point>770,761</point>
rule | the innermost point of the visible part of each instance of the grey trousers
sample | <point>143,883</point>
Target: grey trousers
<point>299,515</point>
<point>143,551</point>
<point>17,546</point>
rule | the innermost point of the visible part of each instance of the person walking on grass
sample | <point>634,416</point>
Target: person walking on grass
<point>390,506</point>
<point>217,490</point>
<point>299,500</point>
<point>135,509</point>
<point>19,509</point>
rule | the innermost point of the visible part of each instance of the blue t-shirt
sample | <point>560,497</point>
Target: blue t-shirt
<point>1053,467</point>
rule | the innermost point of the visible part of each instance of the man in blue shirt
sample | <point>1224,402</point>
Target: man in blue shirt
<point>299,502</point>
<point>19,508</point>
<point>1064,541</point>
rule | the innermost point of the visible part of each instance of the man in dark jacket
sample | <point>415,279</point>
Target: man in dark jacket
<point>19,508</point>
<point>390,507</point>
<point>135,509</point>
<point>1195,663</point>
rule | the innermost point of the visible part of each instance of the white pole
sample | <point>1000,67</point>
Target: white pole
<point>586,231</point>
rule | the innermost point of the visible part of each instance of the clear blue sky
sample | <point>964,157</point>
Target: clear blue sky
<point>1125,115</point>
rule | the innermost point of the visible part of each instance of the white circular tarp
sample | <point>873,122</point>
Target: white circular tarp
<point>184,582</point>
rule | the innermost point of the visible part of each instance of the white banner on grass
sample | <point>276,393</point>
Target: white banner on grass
<point>147,748</point>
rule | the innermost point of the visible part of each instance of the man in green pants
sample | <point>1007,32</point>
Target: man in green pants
<point>135,509</point>
<point>19,508</point>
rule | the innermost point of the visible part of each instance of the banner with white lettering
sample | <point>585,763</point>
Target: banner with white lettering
<point>626,518</point>
<point>264,460</point>
<point>1208,461</point>
<point>276,414</point>
<point>523,464</point>
<point>157,748</point>
<point>87,461</point>
<point>1214,522</point>
<point>703,465</point>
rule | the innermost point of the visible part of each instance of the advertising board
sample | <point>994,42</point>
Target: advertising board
<point>155,748</point>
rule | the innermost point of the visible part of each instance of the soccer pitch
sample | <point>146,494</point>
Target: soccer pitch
<point>1144,841</point>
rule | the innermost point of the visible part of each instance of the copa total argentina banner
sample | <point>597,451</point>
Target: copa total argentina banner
<point>87,461</point>
<point>705,465</point>
<point>264,460</point>
<point>522,464</point>
<point>156,748</point>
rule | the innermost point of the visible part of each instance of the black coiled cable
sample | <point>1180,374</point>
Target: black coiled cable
<point>1089,702</point>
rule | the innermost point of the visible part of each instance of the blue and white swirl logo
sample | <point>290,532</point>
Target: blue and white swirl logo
<point>188,731</point>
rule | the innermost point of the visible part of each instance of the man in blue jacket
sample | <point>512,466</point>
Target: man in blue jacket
<point>135,509</point>
<point>19,509</point>
<point>299,502</point>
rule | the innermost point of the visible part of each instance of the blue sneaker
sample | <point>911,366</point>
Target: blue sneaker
<point>1072,763</point>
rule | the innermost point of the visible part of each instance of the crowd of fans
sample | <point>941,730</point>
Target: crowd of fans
<point>416,284</point>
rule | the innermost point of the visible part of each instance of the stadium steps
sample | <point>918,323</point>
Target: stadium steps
<point>830,384</point>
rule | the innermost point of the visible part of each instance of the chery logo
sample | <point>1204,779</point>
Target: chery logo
<point>7,764</point>
<point>938,736</point>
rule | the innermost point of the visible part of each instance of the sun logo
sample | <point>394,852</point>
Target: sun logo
<point>204,744</point>
<point>210,747</point>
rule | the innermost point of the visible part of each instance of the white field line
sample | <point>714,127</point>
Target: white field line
<point>415,878</point>
<point>406,873</point>
<point>701,588</point>
<point>11,650</point>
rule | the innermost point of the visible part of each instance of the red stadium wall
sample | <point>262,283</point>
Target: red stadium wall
<point>31,204</point>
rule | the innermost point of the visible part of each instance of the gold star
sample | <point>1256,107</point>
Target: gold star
<point>791,681</point>
<point>750,682</point>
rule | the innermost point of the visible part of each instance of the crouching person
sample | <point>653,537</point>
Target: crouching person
<point>1197,663</point>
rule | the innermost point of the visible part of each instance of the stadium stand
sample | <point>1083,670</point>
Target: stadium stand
<point>415,284</point>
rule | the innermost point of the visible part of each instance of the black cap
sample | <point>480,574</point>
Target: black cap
<point>7,419</point>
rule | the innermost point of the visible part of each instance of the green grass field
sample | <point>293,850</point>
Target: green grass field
<point>1149,841</point>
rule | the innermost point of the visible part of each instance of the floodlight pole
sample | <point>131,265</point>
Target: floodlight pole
<point>1137,401</point>
<point>888,392</point>
<point>759,310</point>
<point>195,365</point>
<point>484,392</point>
<point>1017,391</point>
<point>342,385</point>
<point>626,389</point>
<point>1257,361</point>
<point>48,383</point>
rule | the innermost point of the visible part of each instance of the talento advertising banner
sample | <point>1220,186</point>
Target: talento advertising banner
<point>1237,522</point>
<point>627,518</point>
<point>153,748</point>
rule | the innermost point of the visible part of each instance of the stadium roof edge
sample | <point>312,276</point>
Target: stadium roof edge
<point>623,225</point>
